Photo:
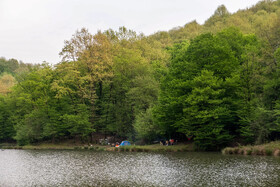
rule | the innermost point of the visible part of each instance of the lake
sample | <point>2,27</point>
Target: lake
<point>88,168</point>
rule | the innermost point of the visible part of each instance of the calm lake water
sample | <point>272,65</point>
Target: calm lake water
<point>87,168</point>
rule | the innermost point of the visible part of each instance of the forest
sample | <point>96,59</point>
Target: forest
<point>217,82</point>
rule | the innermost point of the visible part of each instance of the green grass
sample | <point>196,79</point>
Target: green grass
<point>154,148</point>
<point>59,146</point>
<point>133,148</point>
<point>268,152</point>
<point>51,146</point>
<point>268,149</point>
<point>249,152</point>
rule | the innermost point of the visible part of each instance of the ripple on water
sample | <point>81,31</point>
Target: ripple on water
<point>86,168</point>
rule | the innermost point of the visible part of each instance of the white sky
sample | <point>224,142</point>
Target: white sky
<point>34,30</point>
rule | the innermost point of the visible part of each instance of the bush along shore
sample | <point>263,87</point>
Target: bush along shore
<point>269,149</point>
<point>133,148</point>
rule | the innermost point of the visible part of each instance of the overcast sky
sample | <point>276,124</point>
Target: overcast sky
<point>34,30</point>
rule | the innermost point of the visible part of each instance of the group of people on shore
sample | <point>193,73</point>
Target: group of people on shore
<point>167,142</point>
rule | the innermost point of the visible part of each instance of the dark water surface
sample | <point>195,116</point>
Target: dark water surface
<point>87,168</point>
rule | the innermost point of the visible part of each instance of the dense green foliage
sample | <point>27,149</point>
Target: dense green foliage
<point>217,82</point>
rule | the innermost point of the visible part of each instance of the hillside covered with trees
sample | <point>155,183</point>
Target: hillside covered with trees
<point>218,83</point>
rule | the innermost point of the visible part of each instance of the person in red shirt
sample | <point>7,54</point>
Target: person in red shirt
<point>171,141</point>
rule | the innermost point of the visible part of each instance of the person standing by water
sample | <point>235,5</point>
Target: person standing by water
<point>167,143</point>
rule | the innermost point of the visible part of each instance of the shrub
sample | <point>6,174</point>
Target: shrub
<point>225,151</point>
<point>277,152</point>
<point>249,152</point>
<point>236,150</point>
<point>268,152</point>
<point>101,149</point>
<point>258,151</point>
<point>230,151</point>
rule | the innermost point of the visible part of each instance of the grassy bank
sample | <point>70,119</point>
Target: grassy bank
<point>269,149</point>
<point>139,148</point>
<point>154,148</point>
<point>37,146</point>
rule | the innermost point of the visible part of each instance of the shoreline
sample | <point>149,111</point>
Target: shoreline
<point>97,147</point>
<point>268,149</point>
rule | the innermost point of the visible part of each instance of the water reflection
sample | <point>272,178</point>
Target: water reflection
<point>86,168</point>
